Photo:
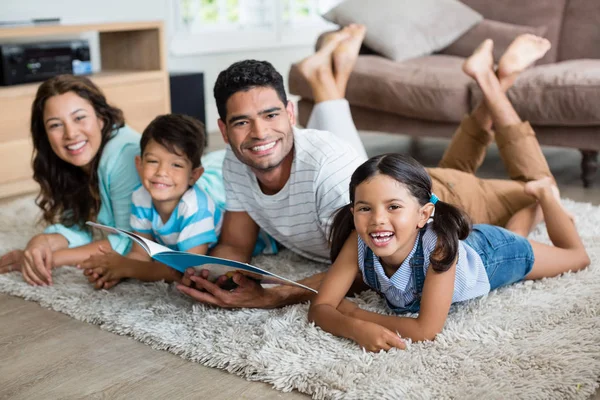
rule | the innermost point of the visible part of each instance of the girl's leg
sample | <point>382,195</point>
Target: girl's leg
<point>523,221</point>
<point>568,252</point>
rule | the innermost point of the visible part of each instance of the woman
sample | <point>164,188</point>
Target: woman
<point>84,162</point>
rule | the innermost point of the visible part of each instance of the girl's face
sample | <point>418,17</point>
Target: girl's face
<point>73,128</point>
<point>387,217</point>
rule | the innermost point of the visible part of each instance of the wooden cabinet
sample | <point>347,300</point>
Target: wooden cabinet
<point>133,77</point>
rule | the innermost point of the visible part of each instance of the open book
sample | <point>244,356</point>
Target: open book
<point>216,266</point>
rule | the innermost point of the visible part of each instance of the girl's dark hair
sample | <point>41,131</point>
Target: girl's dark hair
<point>449,222</point>
<point>67,193</point>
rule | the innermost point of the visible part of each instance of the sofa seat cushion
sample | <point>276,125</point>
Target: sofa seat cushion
<point>431,87</point>
<point>562,94</point>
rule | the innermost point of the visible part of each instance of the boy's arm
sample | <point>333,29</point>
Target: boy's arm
<point>110,266</point>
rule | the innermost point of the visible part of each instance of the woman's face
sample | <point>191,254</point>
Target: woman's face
<point>74,131</point>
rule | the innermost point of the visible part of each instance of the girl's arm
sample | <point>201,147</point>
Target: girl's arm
<point>435,304</point>
<point>324,309</point>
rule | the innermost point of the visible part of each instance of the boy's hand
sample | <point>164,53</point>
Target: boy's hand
<point>373,337</point>
<point>105,269</point>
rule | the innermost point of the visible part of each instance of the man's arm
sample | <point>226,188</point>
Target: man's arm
<point>238,237</point>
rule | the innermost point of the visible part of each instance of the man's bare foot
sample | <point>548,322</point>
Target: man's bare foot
<point>346,54</point>
<point>522,52</point>
<point>543,187</point>
<point>322,58</point>
<point>481,61</point>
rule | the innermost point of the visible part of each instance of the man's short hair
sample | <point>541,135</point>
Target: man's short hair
<point>243,76</point>
<point>179,134</point>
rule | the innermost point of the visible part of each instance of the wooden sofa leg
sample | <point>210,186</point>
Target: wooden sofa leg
<point>589,166</point>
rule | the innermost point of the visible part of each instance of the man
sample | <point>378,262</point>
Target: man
<point>289,182</point>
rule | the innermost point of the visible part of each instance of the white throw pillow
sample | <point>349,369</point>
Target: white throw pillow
<point>403,29</point>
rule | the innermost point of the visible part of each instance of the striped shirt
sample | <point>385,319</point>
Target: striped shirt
<point>299,215</point>
<point>194,222</point>
<point>471,279</point>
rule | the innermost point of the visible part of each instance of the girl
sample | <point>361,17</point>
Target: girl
<point>422,261</point>
<point>84,162</point>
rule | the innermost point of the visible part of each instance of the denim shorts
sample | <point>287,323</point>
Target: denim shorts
<point>507,257</point>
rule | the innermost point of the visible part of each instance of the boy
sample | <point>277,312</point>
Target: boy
<point>168,207</point>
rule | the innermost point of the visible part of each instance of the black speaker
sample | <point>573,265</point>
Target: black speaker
<point>187,95</point>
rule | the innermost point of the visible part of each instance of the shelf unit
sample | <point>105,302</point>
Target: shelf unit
<point>133,77</point>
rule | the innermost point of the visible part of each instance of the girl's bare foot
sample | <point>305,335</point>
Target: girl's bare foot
<point>544,187</point>
<point>346,54</point>
<point>522,52</point>
<point>481,61</point>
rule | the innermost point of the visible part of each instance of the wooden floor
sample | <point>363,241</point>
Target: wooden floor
<point>47,355</point>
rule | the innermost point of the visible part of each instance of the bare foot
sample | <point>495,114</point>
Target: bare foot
<point>543,187</point>
<point>522,52</point>
<point>346,54</point>
<point>322,58</point>
<point>481,61</point>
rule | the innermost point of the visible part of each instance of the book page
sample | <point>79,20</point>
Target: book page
<point>216,266</point>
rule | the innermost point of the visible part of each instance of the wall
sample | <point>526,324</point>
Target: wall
<point>88,11</point>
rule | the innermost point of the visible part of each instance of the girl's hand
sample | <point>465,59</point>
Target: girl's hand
<point>11,261</point>
<point>37,262</point>
<point>105,269</point>
<point>347,307</point>
<point>373,337</point>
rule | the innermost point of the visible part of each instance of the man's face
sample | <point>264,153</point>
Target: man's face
<point>258,127</point>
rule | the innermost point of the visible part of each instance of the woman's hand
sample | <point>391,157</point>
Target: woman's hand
<point>36,266</point>
<point>11,261</point>
<point>373,337</point>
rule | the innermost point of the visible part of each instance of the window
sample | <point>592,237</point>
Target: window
<point>204,26</point>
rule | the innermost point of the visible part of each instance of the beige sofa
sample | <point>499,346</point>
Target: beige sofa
<point>428,96</point>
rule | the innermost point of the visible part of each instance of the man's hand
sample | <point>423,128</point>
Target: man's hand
<point>105,269</point>
<point>248,293</point>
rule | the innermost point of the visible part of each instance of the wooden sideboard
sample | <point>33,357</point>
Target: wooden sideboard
<point>133,77</point>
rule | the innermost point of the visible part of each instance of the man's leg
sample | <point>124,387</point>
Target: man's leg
<point>518,146</point>
<point>331,111</point>
<point>506,201</point>
<point>469,143</point>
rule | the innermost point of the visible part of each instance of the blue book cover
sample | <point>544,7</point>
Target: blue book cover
<point>216,266</point>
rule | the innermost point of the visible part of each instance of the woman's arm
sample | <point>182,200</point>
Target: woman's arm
<point>324,309</point>
<point>435,304</point>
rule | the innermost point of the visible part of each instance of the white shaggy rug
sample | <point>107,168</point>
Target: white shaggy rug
<point>531,341</point>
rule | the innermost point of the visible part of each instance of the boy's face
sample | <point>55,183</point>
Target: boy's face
<point>165,175</point>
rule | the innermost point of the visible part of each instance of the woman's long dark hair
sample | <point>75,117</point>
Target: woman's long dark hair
<point>449,223</point>
<point>68,194</point>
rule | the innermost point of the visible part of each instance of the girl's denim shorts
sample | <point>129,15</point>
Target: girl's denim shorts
<point>507,257</point>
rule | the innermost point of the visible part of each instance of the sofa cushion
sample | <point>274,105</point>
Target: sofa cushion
<point>563,94</point>
<point>430,87</point>
<point>403,29</point>
<point>501,33</point>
